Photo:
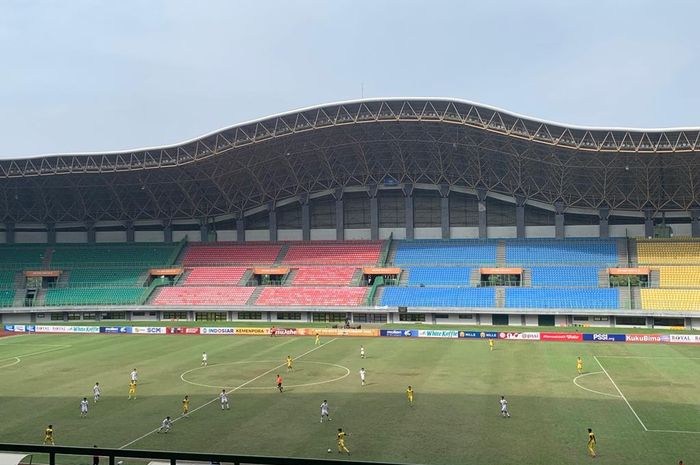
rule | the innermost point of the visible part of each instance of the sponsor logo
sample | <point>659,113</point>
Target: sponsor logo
<point>252,331</point>
<point>520,336</point>
<point>66,329</point>
<point>10,328</point>
<point>217,331</point>
<point>396,332</point>
<point>437,333</point>
<point>647,338</point>
<point>19,328</point>
<point>286,331</point>
<point>604,337</point>
<point>470,334</point>
<point>183,330</point>
<point>149,330</point>
<point>110,329</point>
<point>680,338</point>
<point>562,337</point>
<point>488,335</point>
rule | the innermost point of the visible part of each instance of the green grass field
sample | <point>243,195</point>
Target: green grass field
<point>455,418</point>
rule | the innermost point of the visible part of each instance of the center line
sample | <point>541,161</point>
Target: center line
<point>621,394</point>
<point>231,391</point>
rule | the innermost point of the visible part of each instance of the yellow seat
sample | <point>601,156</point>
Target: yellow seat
<point>671,299</point>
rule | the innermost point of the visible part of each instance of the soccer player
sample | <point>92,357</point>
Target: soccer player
<point>273,331</point>
<point>186,406</point>
<point>223,397</point>
<point>165,425</point>
<point>279,383</point>
<point>324,411</point>
<point>96,391</point>
<point>48,436</point>
<point>591,442</point>
<point>490,344</point>
<point>289,362</point>
<point>318,340</point>
<point>341,441</point>
<point>205,359</point>
<point>409,395</point>
<point>504,407</point>
<point>134,377</point>
<point>84,407</point>
<point>362,351</point>
<point>132,390</point>
<point>363,373</point>
<point>579,365</point>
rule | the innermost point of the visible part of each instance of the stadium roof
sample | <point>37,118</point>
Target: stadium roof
<point>416,141</point>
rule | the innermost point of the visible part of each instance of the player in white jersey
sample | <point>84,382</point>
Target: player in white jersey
<point>84,407</point>
<point>224,400</point>
<point>362,375</point>
<point>324,411</point>
<point>96,391</point>
<point>504,407</point>
<point>165,425</point>
<point>204,359</point>
<point>134,376</point>
<point>362,351</point>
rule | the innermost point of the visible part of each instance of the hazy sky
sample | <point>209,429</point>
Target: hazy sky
<point>106,75</point>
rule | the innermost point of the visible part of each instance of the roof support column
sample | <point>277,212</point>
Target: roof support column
<point>519,216</point>
<point>604,215</point>
<point>373,212</point>
<point>559,220</point>
<point>167,231</point>
<point>10,232</point>
<point>408,202</point>
<point>339,215</point>
<point>445,210</point>
<point>695,222</point>
<point>203,230</point>
<point>240,228</point>
<point>648,222</point>
<point>481,196</point>
<point>273,220</point>
<point>91,234</point>
<point>305,217</point>
<point>129,231</point>
<point>51,233</point>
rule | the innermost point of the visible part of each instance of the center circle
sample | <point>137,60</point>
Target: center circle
<point>323,371</point>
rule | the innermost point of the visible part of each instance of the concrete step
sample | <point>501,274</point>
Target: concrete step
<point>356,278</point>
<point>289,279</point>
<point>46,262</point>
<point>475,277</point>
<point>636,298</point>
<point>254,296</point>
<point>632,251</point>
<point>654,278</point>
<point>501,253</point>
<point>391,256</point>
<point>500,297</point>
<point>603,278</point>
<point>19,298</point>
<point>63,279</point>
<point>622,254</point>
<point>403,279</point>
<point>526,278</point>
<point>282,254</point>
<point>378,296</point>
<point>20,280</point>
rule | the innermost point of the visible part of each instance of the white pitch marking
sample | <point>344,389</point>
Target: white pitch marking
<point>652,357</point>
<point>17,360</point>
<point>231,391</point>
<point>671,431</point>
<point>621,394</point>
<point>593,390</point>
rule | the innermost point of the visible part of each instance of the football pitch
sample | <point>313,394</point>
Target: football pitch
<point>642,401</point>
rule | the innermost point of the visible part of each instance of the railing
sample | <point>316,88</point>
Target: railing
<point>172,457</point>
<point>378,281</point>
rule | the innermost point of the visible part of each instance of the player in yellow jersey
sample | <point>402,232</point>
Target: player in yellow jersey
<point>490,344</point>
<point>48,436</point>
<point>409,395</point>
<point>318,340</point>
<point>186,406</point>
<point>579,365</point>
<point>132,390</point>
<point>591,442</point>
<point>341,441</point>
<point>289,362</point>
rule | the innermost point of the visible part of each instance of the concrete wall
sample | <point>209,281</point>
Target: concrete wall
<point>427,233</point>
<point>539,231</point>
<point>503,232</point>
<point>323,235</point>
<point>356,234</point>
<point>30,237</point>
<point>3,237</point>
<point>71,237</point>
<point>258,235</point>
<point>149,236</point>
<point>464,232</point>
<point>627,230</point>
<point>110,236</point>
<point>192,236</point>
<point>399,233</point>
<point>226,235</point>
<point>531,320</point>
<point>289,235</point>
<point>582,231</point>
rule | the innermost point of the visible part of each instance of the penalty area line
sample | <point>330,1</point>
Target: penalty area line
<point>621,394</point>
<point>240,386</point>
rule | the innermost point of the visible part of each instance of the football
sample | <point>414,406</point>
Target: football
<point>329,450</point>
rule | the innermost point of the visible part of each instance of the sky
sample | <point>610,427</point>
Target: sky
<point>91,76</point>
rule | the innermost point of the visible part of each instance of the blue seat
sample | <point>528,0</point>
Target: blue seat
<point>602,251</point>
<point>438,297</point>
<point>564,276</point>
<point>431,251</point>
<point>528,297</point>
<point>438,276</point>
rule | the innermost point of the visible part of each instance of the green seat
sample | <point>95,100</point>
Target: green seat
<point>111,254</point>
<point>97,277</point>
<point>7,297</point>
<point>95,296</point>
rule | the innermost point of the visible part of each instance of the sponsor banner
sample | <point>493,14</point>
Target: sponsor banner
<point>562,337</point>
<point>443,333</point>
<point>285,332</point>
<point>604,337</point>
<point>65,329</point>
<point>252,331</point>
<point>183,330</point>
<point>10,328</point>
<point>519,336</point>
<point>678,338</point>
<point>478,334</point>
<point>149,330</point>
<point>337,332</point>
<point>218,331</point>
<point>399,332</point>
<point>115,329</point>
<point>647,338</point>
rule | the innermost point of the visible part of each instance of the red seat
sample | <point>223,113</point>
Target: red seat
<point>231,254</point>
<point>203,295</point>
<point>208,275</point>
<point>353,253</point>
<point>312,296</point>
<point>324,276</point>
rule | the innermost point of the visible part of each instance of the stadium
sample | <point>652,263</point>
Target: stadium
<point>415,228</point>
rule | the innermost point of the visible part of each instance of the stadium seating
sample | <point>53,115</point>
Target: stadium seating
<point>95,296</point>
<point>135,255</point>
<point>315,296</point>
<point>231,254</point>
<point>323,276</point>
<point>668,252</point>
<point>22,255</point>
<point>687,300</point>
<point>679,276</point>
<point>215,275</point>
<point>564,276</point>
<point>7,297</point>
<point>525,297</point>
<point>334,253</point>
<point>438,276</point>
<point>456,251</point>
<point>438,297</point>
<point>97,277</point>
<point>187,295</point>
<point>7,278</point>
<point>522,252</point>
